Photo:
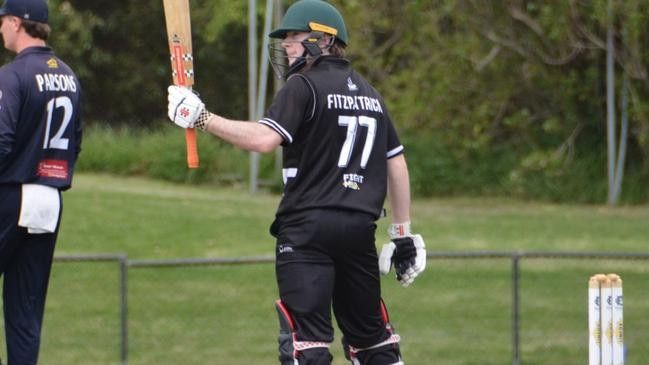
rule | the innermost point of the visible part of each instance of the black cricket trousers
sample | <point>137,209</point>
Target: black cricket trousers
<point>328,257</point>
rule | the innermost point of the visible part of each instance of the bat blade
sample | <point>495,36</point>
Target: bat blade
<point>179,37</point>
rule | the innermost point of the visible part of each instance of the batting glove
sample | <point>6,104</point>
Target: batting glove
<point>406,251</point>
<point>186,109</point>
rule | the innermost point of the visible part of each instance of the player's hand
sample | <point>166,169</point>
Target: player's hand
<point>184,106</point>
<point>406,251</point>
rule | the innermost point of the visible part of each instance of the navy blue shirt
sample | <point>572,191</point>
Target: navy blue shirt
<point>40,124</point>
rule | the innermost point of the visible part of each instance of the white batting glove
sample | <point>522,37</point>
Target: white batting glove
<point>406,251</point>
<point>184,107</point>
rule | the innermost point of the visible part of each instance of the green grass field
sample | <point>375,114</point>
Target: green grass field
<point>458,312</point>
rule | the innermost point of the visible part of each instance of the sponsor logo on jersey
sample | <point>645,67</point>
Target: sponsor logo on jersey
<point>51,63</point>
<point>55,169</point>
<point>284,248</point>
<point>353,181</point>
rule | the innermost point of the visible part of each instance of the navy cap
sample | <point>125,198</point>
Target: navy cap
<point>34,10</point>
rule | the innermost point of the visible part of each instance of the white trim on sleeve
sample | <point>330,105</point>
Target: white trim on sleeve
<point>395,151</point>
<point>278,128</point>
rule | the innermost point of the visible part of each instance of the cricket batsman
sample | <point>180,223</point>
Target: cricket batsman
<point>341,157</point>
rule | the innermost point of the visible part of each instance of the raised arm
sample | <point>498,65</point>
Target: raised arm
<point>188,111</point>
<point>251,136</point>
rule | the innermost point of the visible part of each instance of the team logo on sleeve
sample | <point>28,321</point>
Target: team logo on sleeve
<point>353,181</point>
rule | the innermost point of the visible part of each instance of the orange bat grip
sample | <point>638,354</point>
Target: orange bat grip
<point>192,148</point>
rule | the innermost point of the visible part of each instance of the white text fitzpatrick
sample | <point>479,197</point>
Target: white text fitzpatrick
<point>56,82</point>
<point>347,102</point>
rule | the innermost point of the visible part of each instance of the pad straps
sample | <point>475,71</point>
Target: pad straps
<point>394,338</point>
<point>290,347</point>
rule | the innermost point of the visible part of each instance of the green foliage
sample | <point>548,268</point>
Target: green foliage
<point>159,153</point>
<point>509,96</point>
<point>441,171</point>
<point>120,53</point>
<point>489,97</point>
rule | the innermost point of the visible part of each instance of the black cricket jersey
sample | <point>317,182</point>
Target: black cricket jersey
<point>337,137</point>
<point>40,125</point>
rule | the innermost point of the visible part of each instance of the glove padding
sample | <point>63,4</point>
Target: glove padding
<point>184,106</point>
<point>408,254</point>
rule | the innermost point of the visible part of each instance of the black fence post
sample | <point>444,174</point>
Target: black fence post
<point>516,360</point>
<point>123,288</point>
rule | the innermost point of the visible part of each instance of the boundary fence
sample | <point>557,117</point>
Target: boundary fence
<point>514,256</point>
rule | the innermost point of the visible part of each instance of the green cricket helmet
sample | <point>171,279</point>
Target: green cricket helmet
<point>317,17</point>
<point>312,16</point>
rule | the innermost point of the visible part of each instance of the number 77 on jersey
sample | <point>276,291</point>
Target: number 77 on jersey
<point>179,36</point>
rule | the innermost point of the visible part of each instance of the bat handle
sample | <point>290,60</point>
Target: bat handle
<point>192,148</point>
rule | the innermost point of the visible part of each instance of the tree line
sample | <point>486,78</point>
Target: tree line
<point>490,97</point>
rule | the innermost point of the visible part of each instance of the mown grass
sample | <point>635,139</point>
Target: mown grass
<point>458,312</point>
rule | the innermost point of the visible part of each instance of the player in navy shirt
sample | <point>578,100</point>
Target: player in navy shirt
<point>40,138</point>
<point>341,156</point>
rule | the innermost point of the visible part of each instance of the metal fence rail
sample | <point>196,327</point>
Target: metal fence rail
<point>514,256</point>
<point>122,261</point>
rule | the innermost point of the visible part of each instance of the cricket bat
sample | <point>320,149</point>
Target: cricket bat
<point>179,36</point>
